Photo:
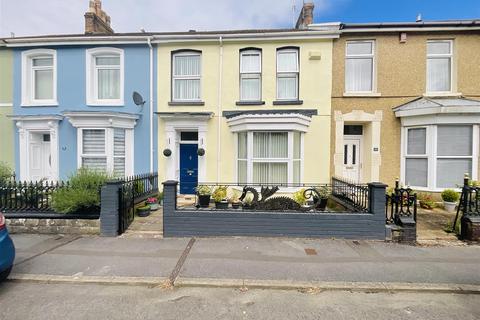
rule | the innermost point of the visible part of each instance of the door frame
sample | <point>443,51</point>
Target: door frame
<point>36,124</point>
<point>358,138</point>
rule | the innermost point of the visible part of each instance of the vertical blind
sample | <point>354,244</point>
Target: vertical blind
<point>287,74</point>
<point>42,69</point>
<point>359,67</point>
<point>186,77</point>
<point>439,61</point>
<point>108,77</point>
<point>119,152</point>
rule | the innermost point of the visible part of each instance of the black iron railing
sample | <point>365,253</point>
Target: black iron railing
<point>469,205</point>
<point>28,196</point>
<point>401,202</point>
<point>351,194</point>
<point>134,190</point>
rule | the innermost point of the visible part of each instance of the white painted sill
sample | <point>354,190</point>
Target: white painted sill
<point>49,103</point>
<point>362,94</point>
<point>110,103</point>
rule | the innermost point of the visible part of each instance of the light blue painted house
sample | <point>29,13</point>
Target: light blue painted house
<point>73,103</point>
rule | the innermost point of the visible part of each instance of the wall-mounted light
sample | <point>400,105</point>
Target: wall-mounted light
<point>167,152</point>
<point>201,152</point>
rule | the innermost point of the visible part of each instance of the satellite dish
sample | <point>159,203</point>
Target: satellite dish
<point>138,99</point>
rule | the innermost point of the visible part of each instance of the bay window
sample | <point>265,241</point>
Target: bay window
<point>439,66</point>
<point>105,76</point>
<point>287,74</point>
<point>250,75</point>
<point>104,150</point>
<point>437,156</point>
<point>39,77</point>
<point>359,66</point>
<point>269,157</point>
<point>186,76</point>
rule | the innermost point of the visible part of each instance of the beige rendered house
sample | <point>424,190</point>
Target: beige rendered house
<point>405,103</point>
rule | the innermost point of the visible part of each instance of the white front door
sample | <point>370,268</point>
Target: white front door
<point>351,159</point>
<point>39,157</point>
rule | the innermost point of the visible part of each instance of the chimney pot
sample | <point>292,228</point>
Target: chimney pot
<point>96,19</point>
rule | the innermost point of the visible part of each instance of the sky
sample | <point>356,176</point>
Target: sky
<point>39,17</point>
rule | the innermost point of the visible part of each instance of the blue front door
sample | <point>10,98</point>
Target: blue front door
<point>188,168</point>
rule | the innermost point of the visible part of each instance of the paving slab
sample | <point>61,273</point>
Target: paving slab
<point>109,257</point>
<point>334,260</point>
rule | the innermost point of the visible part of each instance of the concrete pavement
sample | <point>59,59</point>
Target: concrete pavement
<point>253,262</point>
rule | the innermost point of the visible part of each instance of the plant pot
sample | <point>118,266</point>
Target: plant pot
<point>449,206</point>
<point>221,205</point>
<point>322,204</point>
<point>143,211</point>
<point>246,206</point>
<point>154,206</point>
<point>204,201</point>
<point>236,205</point>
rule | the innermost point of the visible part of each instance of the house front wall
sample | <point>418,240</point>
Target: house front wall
<point>71,82</point>
<point>220,83</point>
<point>6,107</point>
<point>400,76</point>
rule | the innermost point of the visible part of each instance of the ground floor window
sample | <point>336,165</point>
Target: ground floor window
<point>104,149</point>
<point>438,156</point>
<point>269,157</point>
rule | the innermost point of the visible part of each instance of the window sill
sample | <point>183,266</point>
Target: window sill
<point>48,103</point>
<point>250,103</point>
<point>186,103</point>
<point>362,94</point>
<point>109,103</point>
<point>287,102</point>
<point>442,94</point>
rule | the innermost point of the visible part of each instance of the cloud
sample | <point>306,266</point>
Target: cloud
<point>33,17</point>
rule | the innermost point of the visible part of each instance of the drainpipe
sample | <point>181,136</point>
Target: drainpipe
<point>149,41</point>
<point>219,115</point>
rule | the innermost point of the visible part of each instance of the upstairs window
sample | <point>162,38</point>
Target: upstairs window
<point>439,66</point>
<point>186,76</point>
<point>250,75</point>
<point>359,67</point>
<point>39,77</point>
<point>105,76</point>
<point>287,74</point>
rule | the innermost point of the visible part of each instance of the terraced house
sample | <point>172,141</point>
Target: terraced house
<point>247,106</point>
<point>6,105</point>
<point>72,104</point>
<point>405,103</point>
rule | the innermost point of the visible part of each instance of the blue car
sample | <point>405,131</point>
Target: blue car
<point>7,250</point>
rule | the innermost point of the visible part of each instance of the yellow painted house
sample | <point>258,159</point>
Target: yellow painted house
<point>245,106</point>
<point>6,106</point>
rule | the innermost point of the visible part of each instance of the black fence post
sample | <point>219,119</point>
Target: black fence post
<point>376,203</point>
<point>109,212</point>
<point>169,197</point>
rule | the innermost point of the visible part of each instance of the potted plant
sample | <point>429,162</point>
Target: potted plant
<point>299,197</point>
<point>324,194</point>
<point>247,203</point>
<point>153,203</point>
<point>220,197</point>
<point>204,192</point>
<point>235,201</point>
<point>450,198</point>
<point>143,211</point>
<point>425,201</point>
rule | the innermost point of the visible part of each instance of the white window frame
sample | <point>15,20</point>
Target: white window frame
<point>289,159</point>
<point>109,149</point>
<point>186,77</point>
<point>431,154</point>
<point>257,74</point>
<point>92,76</point>
<point>28,77</point>
<point>437,56</point>
<point>362,56</point>
<point>289,74</point>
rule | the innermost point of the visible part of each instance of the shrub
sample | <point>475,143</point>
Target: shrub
<point>83,193</point>
<point>426,201</point>
<point>449,195</point>
<point>5,172</point>
<point>299,197</point>
<point>323,192</point>
<point>203,190</point>
<point>220,193</point>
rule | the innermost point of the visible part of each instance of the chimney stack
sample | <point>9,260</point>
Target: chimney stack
<point>306,16</point>
<point>96,20</point>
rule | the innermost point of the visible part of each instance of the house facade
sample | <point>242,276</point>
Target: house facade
<point>405,103</point>
<point>245,107</point>
<point>6,106</point>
